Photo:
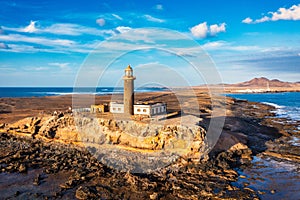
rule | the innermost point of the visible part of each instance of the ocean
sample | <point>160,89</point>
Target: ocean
<point>287,103</point>
<point>56,91</point>
<point>268,173</point>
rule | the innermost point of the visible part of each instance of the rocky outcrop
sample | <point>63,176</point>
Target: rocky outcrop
<point>59,127</point>
<point>139,135</point>
<point>116,132</point>
<point>5,108</point>
<point>72,172</point>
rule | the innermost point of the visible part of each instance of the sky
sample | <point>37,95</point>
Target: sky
<point>66,43</point>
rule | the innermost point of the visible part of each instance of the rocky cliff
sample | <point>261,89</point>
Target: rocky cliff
<point>125,145</point>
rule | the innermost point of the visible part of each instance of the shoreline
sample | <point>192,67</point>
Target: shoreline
<point>221,163</point>
<point>265,92</point>
<point>106,90</point>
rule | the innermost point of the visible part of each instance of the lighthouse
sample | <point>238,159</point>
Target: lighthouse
<point>128,91</point>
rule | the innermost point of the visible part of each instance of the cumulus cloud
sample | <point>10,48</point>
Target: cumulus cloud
<point>159,7</point>
<point>247,20</point>
<point>31,27</point>
<point>292,13</point>
<point>100,21</point>
<point>153,19</point>
<point>202,30</point>
<point>215,29</point>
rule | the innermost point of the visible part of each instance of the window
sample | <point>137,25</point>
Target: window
<point>139,110</point>
<point>144,110</point>
<point>114,108</point>
<point>119,109</point>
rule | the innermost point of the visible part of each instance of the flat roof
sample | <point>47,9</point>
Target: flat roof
<point>140,103</point>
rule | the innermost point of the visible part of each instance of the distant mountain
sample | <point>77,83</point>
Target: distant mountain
<point>263,83</point>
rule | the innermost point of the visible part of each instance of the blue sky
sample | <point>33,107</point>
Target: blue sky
<point>46,43</point>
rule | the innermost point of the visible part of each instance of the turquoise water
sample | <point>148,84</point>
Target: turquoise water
<point>269,174</point>
<point>287,103</point>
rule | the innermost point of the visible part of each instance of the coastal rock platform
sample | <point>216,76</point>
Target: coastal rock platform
<point>45,155</point>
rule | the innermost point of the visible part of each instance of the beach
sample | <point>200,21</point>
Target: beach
<point>56,163</point>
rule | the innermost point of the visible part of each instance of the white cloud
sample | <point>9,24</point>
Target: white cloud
<point>65,29</point>
<point>202,30</point>
<point>100,21</point>
<point>223,45</point>
<point>117,16</point>
<point>247,20</point>
<point>73,29</point>
<point>213,45</point>
<point>63,66</point>
<point>36,68</point>
<point>153,19</point>
<point>292,13</point>
<point>123,29</point>
<point>3,46</point>
<point>52,48</point>
<point>30,28</point>
<point>263,19</point>
<point>215,29</point>
<point>36,40</point>
<point>159,7</point>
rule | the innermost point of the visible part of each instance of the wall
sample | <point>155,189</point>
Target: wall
<point>116,108</point>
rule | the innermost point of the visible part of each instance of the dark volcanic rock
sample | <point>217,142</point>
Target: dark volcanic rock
<point>87,192</point>
<point>245,133</point>
<point>22,168</point>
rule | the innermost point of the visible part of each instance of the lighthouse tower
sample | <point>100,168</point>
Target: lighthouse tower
<point>128,91</point>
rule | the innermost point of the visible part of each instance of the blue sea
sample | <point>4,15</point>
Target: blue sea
<point>279,175</point>
<point>56,91</point>
<point>287,103</point>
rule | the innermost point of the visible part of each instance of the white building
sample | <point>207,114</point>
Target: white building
<point>141,109</point>
<point>116,107</point>
<point>130,108</point>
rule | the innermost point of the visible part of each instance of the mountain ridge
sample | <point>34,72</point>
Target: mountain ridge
<point>264,82</point>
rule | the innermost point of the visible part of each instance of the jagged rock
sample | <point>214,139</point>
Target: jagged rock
<point>153,196</point>
<point>22,168</point>
<point>3,125</point>
<point>87,192</point>
<point>37,180</point>
<point>132,180</point>
<point>17,193</point>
